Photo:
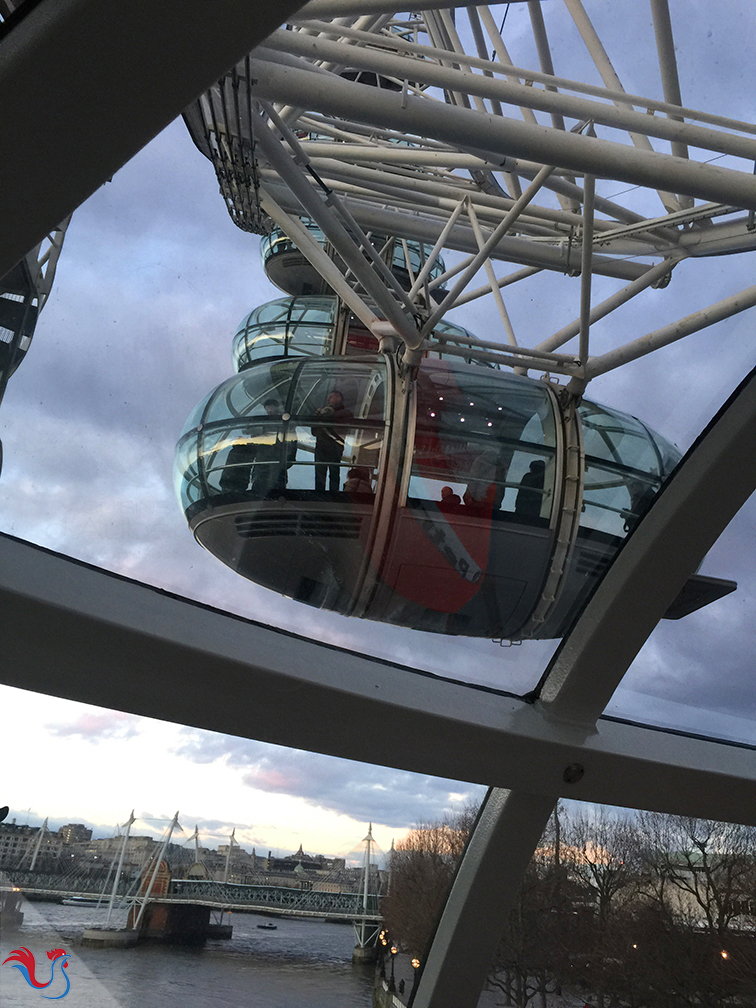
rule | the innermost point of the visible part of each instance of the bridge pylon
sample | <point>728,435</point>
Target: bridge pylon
<point>366,932</point>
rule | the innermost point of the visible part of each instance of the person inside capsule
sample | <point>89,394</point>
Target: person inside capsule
<point>528,500</point>
<point>256,463</point>
<point>329,442</point>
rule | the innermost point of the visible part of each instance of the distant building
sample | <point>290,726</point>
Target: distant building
<point>17,844</point>
<point>75,833</point>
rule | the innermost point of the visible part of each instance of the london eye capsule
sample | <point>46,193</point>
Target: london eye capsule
<point>433,491</point>
<point>467,502</point>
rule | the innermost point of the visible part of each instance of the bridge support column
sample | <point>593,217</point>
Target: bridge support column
<point>364,954</point>
<point>366,949</point>
<point>175,923</point>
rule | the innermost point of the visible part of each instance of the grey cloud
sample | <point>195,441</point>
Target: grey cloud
<point>94,727</point>
<point>368,793</point>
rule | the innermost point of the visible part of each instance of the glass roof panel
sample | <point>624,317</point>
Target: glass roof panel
<point>696,674</point>
<point>151,286</point>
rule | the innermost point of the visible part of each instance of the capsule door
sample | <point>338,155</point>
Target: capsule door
<point>477,476</point>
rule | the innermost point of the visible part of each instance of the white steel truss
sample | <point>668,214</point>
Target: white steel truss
<point>420,126</point>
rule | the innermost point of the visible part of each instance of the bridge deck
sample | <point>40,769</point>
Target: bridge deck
<point>328,907</point>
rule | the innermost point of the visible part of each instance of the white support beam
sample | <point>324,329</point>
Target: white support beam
<point>665,47</point>
<point>585,267</point>
<point>353,8</point>
<point>492,280</point>
<point>609,75</point>
<point>479,292</point>
<point>97,83</point>
<point>390,180</point>
<point>328,220</point>
<point>410,160</point>
<point>655,275</point>
<point>486,249</point>
<point>317,257</point>
<point>504,66</point>
<point>638,124</point>
<point>116,643</point>
<point>702,319</point>
<point>436,250</point>
<point>516,250</point>
<point>503,136</point>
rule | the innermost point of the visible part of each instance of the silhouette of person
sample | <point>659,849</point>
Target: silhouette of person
<point>450,501</point>
<point>641,497</point>
<point>528,500</point>
<point>273,458</point>
<point>358,481</point>
<point>260,455</point>
<point>234,477</point>
<point>481,489</point>
<point>329,442</point>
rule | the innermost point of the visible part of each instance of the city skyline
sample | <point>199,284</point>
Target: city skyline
<point>107,840</point>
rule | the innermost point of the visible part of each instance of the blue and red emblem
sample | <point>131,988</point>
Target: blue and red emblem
<point>23,960</point>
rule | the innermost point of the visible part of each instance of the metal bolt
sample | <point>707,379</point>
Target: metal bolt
<point>573,773</point>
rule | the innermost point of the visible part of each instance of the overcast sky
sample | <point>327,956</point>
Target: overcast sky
<point>151,284</point>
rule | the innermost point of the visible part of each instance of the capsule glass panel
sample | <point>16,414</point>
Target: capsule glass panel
<point>278,242</point>
<point>288,327</point>
<point>448,332</point>
<point>473,538</point>
<point>625,466</point>
<point>287,267</point>
<point>278,478</point>
<point>408,259</point>
<point>482,433</point>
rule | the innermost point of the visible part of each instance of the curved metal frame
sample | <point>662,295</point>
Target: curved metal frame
<point>568,505</point>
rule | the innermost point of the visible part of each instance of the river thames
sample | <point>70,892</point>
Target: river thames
<point>302,963</point>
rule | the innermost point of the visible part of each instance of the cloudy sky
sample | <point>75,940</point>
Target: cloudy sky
<point>151,284</point>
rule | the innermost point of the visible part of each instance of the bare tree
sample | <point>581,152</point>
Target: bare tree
<point>604,851</point>
<point>422,869</point>
<point>701,871</point>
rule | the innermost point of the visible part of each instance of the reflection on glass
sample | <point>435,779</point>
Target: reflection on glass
<point>484,445</point>
<point>285,426</point>
<point>626,464</point>
<point>288,327</point>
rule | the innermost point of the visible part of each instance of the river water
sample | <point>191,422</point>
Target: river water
<point>302,964</point>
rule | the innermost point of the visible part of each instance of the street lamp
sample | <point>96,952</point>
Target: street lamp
<point>415,976</point>
<point>392,982</point>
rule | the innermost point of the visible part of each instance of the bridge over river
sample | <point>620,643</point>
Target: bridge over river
<point>283,900</point>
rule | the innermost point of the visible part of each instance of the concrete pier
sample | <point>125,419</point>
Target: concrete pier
<point>364,954</point>
<point>219,930</point>
<point>109,938</point>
